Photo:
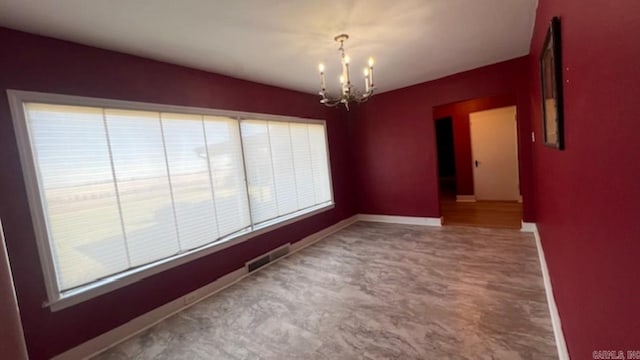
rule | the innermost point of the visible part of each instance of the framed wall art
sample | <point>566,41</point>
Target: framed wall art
<point>551,81</point>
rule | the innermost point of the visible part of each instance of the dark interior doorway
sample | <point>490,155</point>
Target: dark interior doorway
<point>446,157</point>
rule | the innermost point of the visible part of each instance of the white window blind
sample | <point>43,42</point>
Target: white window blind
<point>257,150</point>
<point>319,163</point>
<point>125,188</point>
<point>191,181</point>
<point>286,167</point>
<point>305,181</point>
<point>283,169</point>
<point>143,187</point>
<point>78,186</point>
<point>227,170</point>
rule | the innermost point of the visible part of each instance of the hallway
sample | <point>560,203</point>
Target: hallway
<point>492,214</point>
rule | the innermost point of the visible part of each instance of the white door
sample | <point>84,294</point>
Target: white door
<point>494,150</point>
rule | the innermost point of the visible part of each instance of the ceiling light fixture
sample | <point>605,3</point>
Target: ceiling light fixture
<point>349,93</point>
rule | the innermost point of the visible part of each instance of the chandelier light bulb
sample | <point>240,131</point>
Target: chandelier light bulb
<point>341,79</point>
<point>366,72</point>
<point>347,59</point>
<point>370,62</point>
<point>321,67</point>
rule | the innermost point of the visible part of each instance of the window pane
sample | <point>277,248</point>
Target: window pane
<point>227,170</point>
<point>143,184</point>
<point>81,208</point>
<point>257,155</point>
<point>319,163</point>
<point>283,169</point>
<point>302,164</point>
<point>190,179</point>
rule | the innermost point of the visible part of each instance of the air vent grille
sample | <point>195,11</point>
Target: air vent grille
<point>278,253</point>
<point>255,264</point>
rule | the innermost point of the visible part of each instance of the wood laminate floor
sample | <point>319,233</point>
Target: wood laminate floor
<point>494,214</point>
<point>498,214</point>
<point>372,291</point>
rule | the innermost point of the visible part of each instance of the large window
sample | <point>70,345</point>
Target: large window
<point>118,188</point>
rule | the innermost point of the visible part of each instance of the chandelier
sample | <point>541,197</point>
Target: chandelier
<point>348,92</point>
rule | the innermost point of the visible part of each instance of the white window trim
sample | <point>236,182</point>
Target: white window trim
<point>57,300</point>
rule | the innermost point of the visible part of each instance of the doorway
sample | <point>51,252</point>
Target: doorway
<point>477,155</point>
<point>446,157</point>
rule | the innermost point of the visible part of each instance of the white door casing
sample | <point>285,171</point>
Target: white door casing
<point>494,148</point>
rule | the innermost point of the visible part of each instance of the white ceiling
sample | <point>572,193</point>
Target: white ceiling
<point>281,42</point>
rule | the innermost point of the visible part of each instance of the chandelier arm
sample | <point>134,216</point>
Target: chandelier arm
<point>331,104</point>
<point>327,101</point>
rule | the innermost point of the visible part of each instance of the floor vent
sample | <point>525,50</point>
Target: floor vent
<point>255,264</point>
<point>258,263</point>
<point>278,253</point>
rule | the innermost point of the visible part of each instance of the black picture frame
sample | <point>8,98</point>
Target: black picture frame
<point>551,83</point>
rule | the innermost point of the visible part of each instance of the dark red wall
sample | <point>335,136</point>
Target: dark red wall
<point>587,196</point>
<point>394,139</point>
<point>459,113</point>
<point>35,63</point>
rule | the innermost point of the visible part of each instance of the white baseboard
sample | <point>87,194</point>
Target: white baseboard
<point>563,352</point>
<point>409,220</point>
<point>465,198</point>
<point>135,326</point>
<point>315,237</point>
<point>528,227</point>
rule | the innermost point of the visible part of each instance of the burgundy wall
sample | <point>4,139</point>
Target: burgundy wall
<point>587,196</point>
<point>459,113</point>
<point>35,63</point>
<point>394,139</point>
